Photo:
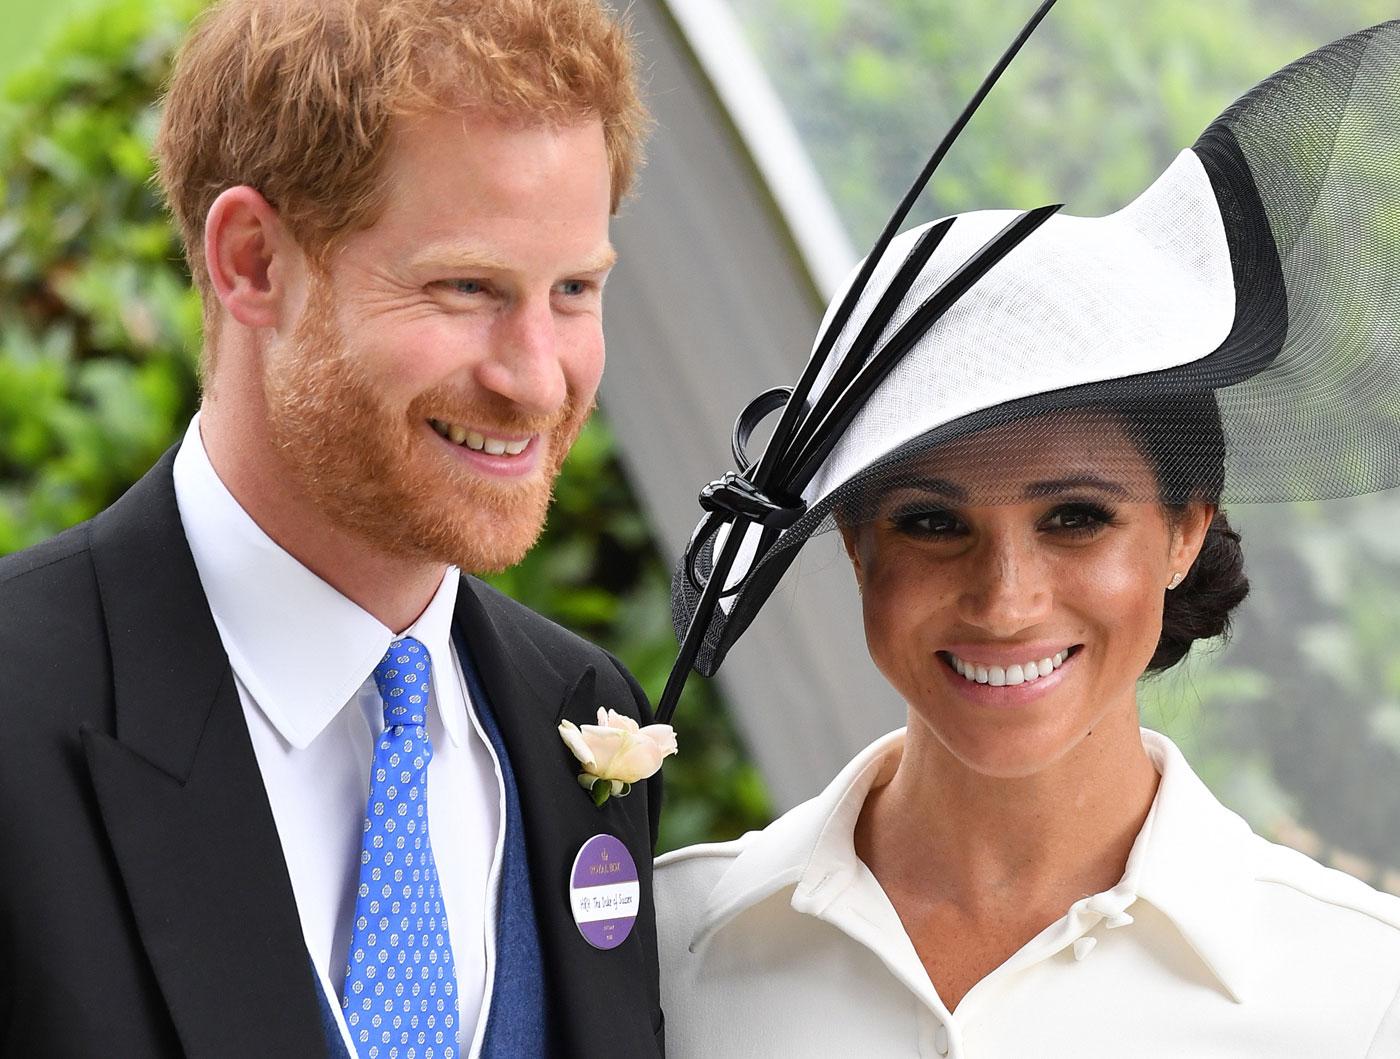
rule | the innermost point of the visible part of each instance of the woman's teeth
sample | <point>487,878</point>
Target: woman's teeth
<point>1009,676</point>
<point>477,442</point>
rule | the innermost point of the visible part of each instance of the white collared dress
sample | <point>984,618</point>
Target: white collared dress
<point>1215,943</point>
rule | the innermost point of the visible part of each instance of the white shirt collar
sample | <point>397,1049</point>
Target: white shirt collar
<point>300,647</point>
<point>1186,861</point>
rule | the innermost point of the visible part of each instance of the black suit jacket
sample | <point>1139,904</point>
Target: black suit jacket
<point>145,906</point>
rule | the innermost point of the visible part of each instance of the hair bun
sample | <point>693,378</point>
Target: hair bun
<point>1201,606</point>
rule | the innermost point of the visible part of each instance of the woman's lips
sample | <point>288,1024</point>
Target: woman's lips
<point>1031,666</point>
<point>998,680</point>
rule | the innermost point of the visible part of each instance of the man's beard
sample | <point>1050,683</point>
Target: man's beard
<point>385,475</point>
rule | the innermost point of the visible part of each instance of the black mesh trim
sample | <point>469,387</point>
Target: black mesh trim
<point>1261,299</point>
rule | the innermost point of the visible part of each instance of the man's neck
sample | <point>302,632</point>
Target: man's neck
<point>393,589</point>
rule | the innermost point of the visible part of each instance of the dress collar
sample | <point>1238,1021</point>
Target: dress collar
<point>1193,866</point>
<point>1187,861</point>
<point>300,647</point>
<point>811,846</point>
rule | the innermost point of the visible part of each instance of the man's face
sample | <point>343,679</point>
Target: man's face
<point>448,356</point>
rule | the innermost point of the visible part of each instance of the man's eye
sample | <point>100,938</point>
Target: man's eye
<point>466,286</point>
<point>574,287</point>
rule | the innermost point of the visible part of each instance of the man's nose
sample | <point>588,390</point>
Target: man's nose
<point>1007,587</point>
<point>524,364</point>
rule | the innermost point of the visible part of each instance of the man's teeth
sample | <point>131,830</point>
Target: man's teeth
<point>460,435</point>
<point>1009,676</point>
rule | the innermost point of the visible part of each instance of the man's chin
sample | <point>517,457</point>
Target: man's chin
<point>494,522</point>
<point>497,549</point>
<point>486,539</point>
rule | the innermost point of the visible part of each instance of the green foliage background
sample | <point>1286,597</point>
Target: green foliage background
<point>1297,725</point>
<point>99,341</point>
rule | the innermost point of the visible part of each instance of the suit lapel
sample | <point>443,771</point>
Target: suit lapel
<point>596,998</point>
<point>182,798</point>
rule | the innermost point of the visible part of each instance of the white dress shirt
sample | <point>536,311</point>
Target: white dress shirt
<point>303,659</point>
<point>1215,943</point>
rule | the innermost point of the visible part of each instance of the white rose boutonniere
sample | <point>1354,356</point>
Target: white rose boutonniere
<point>617,752</point>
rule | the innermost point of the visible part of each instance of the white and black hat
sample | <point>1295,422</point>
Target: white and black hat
<point>1240,321</point>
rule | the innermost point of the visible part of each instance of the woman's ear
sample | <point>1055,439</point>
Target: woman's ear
<point>1189,530</point>
<point>250,257</point>
<point>850,538</point>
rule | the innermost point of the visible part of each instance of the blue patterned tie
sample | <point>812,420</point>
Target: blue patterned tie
<point>400,996</point>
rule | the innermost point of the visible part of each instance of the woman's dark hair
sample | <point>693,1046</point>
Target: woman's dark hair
<point>1183,441</point>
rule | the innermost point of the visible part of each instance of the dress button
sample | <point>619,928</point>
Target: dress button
<point>940,1039</point>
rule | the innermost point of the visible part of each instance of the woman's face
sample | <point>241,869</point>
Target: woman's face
<point>1011,629</point>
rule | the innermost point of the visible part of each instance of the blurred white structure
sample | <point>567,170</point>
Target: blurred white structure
<point>728,252</point>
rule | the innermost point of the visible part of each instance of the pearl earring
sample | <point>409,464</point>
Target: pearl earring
<point>1176,580</point>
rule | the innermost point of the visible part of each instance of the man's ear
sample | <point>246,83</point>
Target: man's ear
<point>250,257</point>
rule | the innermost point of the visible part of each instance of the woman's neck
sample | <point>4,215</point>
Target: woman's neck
<point>943,833</point>
<point>976,866</point>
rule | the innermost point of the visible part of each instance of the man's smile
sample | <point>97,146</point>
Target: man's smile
<point>480,442</point>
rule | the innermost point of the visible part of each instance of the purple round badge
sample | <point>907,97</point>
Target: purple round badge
<point>604,892</point>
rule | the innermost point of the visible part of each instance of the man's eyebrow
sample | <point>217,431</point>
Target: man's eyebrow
<point>468,257</point>
<point>1055,486</point>
<point>458,255</point>
<point>601,261</point>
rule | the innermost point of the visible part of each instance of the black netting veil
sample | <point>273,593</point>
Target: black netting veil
<point>1233,335</point>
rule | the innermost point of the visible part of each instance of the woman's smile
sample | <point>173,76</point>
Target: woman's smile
<point>985,675</point>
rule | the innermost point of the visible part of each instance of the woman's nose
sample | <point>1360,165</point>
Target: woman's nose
<point>1007,587</point>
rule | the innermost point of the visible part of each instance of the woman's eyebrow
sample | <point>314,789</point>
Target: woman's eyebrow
<point>1054,486</point>
<point>941,486</point>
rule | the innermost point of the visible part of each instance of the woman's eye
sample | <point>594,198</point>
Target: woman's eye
<point>928,523</point>
<point>1078,519</point>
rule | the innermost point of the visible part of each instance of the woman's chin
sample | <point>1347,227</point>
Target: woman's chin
<point>1007,751</point>
<point>1012,732</point>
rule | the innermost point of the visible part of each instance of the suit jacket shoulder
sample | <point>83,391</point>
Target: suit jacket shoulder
<point>567,651</point>
<point>144,904</point>
<point>48,606</point>
<point>56,549</point>
<point>54,675</point>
